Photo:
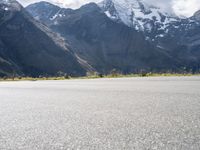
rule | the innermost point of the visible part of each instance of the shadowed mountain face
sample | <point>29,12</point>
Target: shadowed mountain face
<point>102,42</point>
<point>179,36</point>
<point>89,39</point>
<point>29,48</point>
<point>183,42</point>
<point>182,39</point>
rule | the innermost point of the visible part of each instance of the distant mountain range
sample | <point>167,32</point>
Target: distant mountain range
<point>129,36</point>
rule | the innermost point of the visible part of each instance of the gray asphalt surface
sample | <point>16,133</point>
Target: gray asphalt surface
<point>129,113</point>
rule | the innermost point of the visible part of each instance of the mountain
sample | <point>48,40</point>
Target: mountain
<point>29,48</point>
<point>137,14</point>
<point>102,42</point>
<point>153,21</point>
<point>180,37</point>
<point>196,16</point>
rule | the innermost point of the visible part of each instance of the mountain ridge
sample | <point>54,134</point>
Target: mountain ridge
<point>89,25</point>
<point>44,39</point>
<point>29,48</point>
<point>167,39</point>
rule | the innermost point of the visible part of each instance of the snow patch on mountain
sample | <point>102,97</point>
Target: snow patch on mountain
<point>137,14</point>
<point>11,5</point>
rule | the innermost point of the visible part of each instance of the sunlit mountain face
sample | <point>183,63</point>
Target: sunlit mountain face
<point>184,8</point>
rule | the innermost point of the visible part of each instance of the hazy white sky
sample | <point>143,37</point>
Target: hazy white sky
<point>180,7</point>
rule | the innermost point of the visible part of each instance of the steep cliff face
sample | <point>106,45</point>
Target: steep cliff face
<point>104,43</point>
<point>197,15</point>
<point>29,48</point>
<point>178,36</point>
<point>96,38</point>
<point>137,14</point>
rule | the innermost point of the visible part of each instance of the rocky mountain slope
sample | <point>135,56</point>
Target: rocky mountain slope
<point>104,43</point>
<point>137,14</point>
<point>129,36</point>
<point>150,29</point>
<point>167,31</point>
<point>29,48</point>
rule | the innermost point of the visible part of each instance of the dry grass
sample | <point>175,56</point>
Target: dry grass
<point>99,76</point>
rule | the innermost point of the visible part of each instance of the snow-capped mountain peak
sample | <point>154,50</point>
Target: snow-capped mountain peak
<point>12,5</point>
<point>136,13</point>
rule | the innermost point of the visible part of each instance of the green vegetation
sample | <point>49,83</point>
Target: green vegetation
<point>97,75</point>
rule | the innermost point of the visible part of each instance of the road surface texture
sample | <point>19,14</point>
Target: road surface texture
<point>152,113</point>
